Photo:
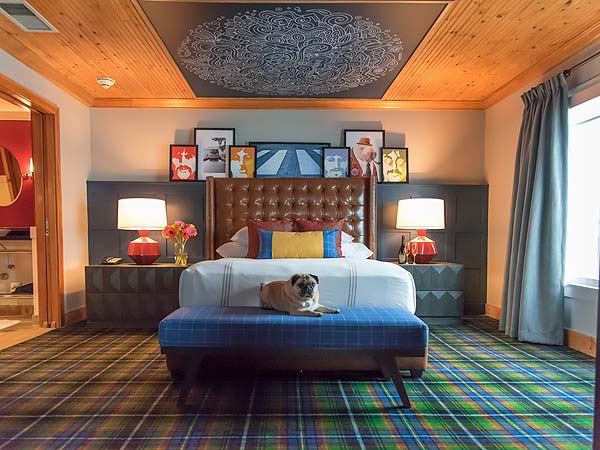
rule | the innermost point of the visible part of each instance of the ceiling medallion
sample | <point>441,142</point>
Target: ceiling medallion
<point>290,52</point>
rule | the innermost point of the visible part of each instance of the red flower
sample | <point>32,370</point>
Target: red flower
<point>169,232</point>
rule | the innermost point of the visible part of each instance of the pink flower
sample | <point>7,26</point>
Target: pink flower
<point>191,230</point>
<point>169,232</point>
<point>180,223</point>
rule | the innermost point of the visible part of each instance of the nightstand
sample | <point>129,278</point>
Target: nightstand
<point>440,292</point>
<point>131,295</point>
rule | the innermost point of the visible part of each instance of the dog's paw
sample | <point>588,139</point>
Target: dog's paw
<point>336,311</point>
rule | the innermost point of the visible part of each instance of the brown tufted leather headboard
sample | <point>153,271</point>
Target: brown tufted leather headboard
<point>230,201</point>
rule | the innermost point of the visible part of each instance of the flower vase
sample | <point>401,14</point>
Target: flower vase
<point>180,254</point>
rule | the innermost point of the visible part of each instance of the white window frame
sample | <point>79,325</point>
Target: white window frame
<point>579,287</point>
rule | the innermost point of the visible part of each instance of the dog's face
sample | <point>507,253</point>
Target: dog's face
<point>304,285</point>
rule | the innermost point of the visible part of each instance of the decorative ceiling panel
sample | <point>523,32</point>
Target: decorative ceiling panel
<point>328,50</point>
<point>477,53</point>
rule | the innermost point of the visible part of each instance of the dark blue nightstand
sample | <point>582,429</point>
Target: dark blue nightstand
<point>440,292</point>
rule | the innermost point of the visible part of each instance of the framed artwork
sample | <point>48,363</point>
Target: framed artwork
<point>336,162</point>
<point>183,162</point>
<point>365,152</point>
<point>394,165</point>
<point>289,159</point>
<point>212,151</point>
<point>242,161</point>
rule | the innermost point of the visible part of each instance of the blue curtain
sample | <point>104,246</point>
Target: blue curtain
<point>532,304</point>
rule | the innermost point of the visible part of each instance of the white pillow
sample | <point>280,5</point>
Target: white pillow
<point>241,237</point>
<point>356,250</point>
<point>232,250</point>
<point>346,238</point>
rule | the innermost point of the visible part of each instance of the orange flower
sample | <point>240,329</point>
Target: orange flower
<point>169,232</point>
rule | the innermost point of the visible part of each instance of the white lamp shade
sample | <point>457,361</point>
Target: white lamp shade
<point>142,214</point>
<point>421,214</point>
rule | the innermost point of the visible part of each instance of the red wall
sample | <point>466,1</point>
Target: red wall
<point>15,135</point>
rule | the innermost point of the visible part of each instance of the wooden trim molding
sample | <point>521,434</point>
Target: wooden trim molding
<point>493,311</point>
<point>24,96</point>
<point>541,68</point>
<point>48,199</point>
<point>75,316</point>
<point>573,339</point>
<point>580,342</point>
<point>283,103</point>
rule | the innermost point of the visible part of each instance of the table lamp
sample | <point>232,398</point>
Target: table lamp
<point>142,214</point>
<point>421,214</point>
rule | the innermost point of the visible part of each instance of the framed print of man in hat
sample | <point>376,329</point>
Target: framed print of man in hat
<point>365,150</point>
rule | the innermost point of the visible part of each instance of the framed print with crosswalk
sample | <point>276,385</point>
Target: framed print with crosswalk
<point>289,159</point>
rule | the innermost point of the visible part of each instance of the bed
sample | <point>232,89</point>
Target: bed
<point>343,282</point>
<point>235,281</point>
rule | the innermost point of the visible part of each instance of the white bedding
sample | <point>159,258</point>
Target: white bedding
<point>342,282</point>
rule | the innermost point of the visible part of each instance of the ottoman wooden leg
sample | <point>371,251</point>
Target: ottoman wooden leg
<point>192,368</point>
<point>416,373</point>
<point>387,364</point>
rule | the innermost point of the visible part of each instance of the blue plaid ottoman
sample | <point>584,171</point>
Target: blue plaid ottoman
<point>191,333</point>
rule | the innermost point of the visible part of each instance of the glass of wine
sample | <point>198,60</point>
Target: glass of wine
<point>407,252</point>
<point>414,250</point>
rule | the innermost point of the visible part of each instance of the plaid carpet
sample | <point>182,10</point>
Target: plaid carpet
<point>84,388</point>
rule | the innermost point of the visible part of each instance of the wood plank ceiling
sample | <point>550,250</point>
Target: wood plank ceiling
<point>477,53</point>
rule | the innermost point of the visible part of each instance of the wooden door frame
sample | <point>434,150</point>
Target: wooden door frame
<point>48,199</point>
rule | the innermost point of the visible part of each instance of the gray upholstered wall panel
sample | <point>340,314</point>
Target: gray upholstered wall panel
<point>185,201</point>
<point>464,240</point>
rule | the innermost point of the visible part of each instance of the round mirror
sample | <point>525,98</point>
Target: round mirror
<point>11,180</point>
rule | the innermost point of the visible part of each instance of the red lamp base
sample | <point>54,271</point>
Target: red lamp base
<point>143,250</point>
<point>426,248</point>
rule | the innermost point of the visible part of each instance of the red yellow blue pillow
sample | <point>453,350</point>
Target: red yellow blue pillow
<point>306,244</point>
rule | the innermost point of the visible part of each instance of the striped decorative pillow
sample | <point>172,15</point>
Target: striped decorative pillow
<point>308,244</point>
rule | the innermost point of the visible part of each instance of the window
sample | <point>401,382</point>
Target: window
<point>583,216</point>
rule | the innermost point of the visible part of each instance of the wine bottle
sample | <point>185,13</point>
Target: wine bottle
<point>401,254</point>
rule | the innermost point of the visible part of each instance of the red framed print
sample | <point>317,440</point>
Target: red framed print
<point>183,162</point>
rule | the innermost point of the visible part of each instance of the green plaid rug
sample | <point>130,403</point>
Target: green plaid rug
<point>85,388</point>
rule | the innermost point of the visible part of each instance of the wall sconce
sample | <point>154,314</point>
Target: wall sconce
<point>29,175</point>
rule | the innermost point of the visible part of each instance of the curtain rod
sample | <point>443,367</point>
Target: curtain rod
<point>567,72</point>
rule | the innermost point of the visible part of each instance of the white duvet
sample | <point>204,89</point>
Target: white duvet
<point>342,282</point>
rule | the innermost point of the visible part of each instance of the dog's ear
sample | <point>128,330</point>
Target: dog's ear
<point>295,278</point>
<point>315,277</point>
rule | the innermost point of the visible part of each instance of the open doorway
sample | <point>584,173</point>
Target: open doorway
<point>19,302</point>
<point>31,191</point>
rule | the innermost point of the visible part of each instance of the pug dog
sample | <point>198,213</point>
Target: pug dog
<point>298,296</point>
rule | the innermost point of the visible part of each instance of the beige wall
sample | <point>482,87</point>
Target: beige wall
<point>75,168</point>
<point>502,127</point>
<point>133,144</point>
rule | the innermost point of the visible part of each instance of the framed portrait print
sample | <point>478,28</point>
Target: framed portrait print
<point>242,161</point>
<point>336,162</point>
<point>365,152</point>
<point>289,159</point>
<point>183,162</point>
<point>394,165</point>
<point>212,151</point>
